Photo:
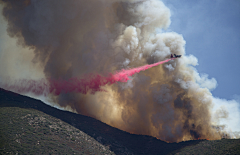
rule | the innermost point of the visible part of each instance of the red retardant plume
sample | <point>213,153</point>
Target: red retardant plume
<point>90,83</point>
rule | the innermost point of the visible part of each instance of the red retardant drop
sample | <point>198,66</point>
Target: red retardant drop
<point>90,83</point>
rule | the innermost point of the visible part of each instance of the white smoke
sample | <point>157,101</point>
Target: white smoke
<point>71,38</point>
<point>227,113</point>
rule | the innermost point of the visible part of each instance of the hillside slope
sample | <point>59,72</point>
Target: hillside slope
<point>28,131</point>
<point>28,126</point>
<point>214,147</point>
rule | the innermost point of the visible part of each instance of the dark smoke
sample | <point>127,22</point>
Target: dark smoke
<point>88,84</point>
<point>76,37</point>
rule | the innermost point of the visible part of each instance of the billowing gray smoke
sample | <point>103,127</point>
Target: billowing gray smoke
<point>75,37</point>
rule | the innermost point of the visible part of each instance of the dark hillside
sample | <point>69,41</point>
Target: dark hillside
<point>215,147</point>
<point>14,107</point>
<point>29,131</point>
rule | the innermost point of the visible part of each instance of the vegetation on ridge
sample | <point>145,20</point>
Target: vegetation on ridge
<point>28,131</point>
<point>28,126</point>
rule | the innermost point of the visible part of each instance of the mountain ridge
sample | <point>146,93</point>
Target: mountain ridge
<point>117,141</point>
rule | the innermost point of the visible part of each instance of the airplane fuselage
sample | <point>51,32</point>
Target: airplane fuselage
<point>176,56</point>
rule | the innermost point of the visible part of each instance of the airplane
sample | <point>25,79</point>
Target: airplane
<point>176,56</point>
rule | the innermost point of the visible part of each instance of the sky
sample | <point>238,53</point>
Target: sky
<point>211,29</point>
<point>212,35</point>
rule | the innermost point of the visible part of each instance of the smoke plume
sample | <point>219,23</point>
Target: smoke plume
<point>74,38</point>
<point>90,83</point>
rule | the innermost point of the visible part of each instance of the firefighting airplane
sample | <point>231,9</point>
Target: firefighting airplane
<point>176,56</point>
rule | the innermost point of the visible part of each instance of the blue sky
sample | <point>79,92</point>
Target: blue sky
<point>211,29</point>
